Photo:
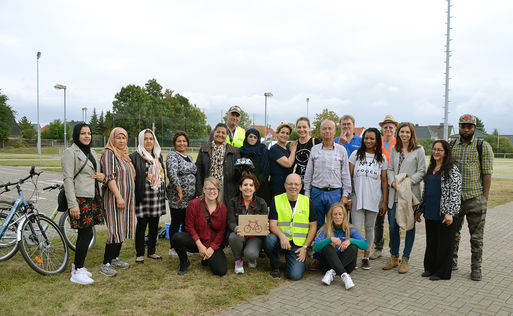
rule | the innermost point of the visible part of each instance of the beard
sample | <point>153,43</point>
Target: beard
<point>466,138</point>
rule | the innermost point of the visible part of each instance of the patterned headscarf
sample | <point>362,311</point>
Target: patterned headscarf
<point>120,154</point>
<point>155,171</point>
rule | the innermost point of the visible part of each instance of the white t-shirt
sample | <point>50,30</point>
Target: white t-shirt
<point>367,182</point>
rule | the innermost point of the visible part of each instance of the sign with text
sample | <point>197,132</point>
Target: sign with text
<point>253,225</point>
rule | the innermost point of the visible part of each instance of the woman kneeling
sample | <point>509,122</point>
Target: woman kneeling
<point>337,252</point>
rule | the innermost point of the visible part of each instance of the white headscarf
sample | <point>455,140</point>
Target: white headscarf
<point>155,171</point>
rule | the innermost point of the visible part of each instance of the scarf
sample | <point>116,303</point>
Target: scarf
<point>155,175</point>
<point>120,154</point>
<point>216,165</point>
<point>258,150</point>
<point>86,149</point>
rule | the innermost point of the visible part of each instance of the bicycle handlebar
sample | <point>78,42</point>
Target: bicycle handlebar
<point>52,187</point>
<point>32,173</point>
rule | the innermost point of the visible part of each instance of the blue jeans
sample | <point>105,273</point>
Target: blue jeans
<point>322,201</point>
<point>395,237</point>
<point>295,269</point>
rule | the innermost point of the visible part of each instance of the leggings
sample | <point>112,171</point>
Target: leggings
<point>182,242</point>
<point>345,263</point>
<point>359,216</point>
<point>140,230</point>
<point>177,221</point>
<point>111,252</point>
<point>85,235</point>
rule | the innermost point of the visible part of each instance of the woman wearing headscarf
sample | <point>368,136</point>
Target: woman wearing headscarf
<point>80,176</point>
<point>253,149</point>
<point>150,199</point>
<point>119,198</point>
<point>217,159</point>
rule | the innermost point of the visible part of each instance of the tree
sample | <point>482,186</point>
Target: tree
<point>56,130</point>
<point>324,115</point>
<point>245,121</point>
<point>94,123</point>
<point>480,125</point>
<point>505,145</point>
<point>26,128</point>
<point>6,117</point>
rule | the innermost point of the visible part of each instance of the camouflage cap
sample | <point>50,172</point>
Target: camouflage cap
<point>468,119</point>
<point>235,109</point>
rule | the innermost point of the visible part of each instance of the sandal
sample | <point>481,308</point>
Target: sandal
<point>155,257</point>
<point>139,259</point>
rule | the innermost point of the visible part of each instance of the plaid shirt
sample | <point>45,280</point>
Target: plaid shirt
<point>154,204</point>
<point>466,158</point>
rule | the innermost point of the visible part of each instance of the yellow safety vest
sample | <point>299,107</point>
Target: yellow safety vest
<point>238,138</point>
<point>296,229</point>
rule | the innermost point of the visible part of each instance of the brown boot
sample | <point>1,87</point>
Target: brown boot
<point>404,265</point>
<point>392,263</point>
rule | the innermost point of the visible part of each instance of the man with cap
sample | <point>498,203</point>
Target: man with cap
<point>348,137</point>
<point>474,159</point>
<point>236,134</point>
<point>388,126</point>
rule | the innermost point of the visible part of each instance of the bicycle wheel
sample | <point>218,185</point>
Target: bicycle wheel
<point>71,234</point>
<point>8,243</point>
<point>42,245</point>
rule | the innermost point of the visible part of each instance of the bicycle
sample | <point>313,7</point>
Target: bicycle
<point>70,234</point>
<point>39,239</point>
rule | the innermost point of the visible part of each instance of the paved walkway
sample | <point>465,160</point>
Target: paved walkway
<point>379,292</point>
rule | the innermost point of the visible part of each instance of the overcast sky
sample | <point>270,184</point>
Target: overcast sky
<point>365,58</point>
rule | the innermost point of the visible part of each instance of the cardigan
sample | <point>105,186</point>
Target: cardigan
<point>197,226</point>
<point>450,200</point>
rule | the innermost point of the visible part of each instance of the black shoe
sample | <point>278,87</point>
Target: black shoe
<point>476,275</point>
<point>275,274</point>
<point>425,274</point>
<point>434,278</point>
<point>183,268</point>
<point>365,264</point>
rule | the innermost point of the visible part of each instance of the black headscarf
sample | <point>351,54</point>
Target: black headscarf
<point>258,150</point>
<point>86,149</point>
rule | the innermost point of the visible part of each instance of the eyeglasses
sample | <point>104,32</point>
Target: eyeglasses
<point>436,150</point>
<point>210,189</point>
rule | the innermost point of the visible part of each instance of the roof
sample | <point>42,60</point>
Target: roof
<point>422,132</point>
<point>432,131</point>
<point>261,130</point>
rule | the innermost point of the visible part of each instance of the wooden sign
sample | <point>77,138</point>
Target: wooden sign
<point>253,225</point>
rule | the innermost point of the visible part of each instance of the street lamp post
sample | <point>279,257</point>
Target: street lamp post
<point>266,95</point>
<point>307,100</point>
<point>63,87</point>
<point>38,55</point>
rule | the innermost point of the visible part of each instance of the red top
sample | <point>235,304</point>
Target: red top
<point>197,226</point>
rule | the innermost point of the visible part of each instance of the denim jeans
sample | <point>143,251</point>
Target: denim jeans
<point>295,269</point>
<point>395,237</point>
<point>322,201</point>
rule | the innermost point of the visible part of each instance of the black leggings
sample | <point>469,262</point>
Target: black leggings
<point>345,263</point>
<point>182,242</point>
<point>140,230</point>
<point>85,235</point>
<point>177,221</point>
<point>111,251</point>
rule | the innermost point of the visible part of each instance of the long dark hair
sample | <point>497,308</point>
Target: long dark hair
<point>447,164</point>
<point>413,144</point>
<point>360,154</point>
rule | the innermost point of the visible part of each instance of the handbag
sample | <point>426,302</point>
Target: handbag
<point>62,202</point>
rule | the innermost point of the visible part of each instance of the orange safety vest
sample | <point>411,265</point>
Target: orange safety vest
<point>387,152</point>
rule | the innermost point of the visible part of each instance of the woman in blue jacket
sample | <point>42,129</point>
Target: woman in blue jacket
<point>337,252</point>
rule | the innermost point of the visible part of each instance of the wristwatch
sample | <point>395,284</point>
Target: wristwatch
<point>305,246</point>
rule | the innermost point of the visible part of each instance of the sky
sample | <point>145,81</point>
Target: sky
<point>365,58</point>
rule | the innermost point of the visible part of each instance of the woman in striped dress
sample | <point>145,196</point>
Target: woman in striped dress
<point>118,199</point>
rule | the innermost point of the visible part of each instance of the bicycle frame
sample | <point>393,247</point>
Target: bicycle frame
<point>20,202</point>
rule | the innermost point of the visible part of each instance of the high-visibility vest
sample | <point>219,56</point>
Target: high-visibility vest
<point>387,152</point>
<point>238,138</point>
<point>300,225</point>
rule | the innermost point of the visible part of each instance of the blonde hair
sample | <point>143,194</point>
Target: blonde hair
<point>283,125</point>
<point>328,226</point>
<point>216,184</point>
<point>345,118</point>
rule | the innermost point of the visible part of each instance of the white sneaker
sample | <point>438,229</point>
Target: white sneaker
<point>239,268</point>
<point>252,263</point>
<point>78,276</point>
<point>328,277</point>
<point>348,282</point>
<point>82,270</point>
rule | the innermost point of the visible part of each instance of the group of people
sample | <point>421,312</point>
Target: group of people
<point>318,194</point>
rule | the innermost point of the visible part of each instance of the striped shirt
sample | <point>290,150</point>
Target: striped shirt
<point>466,158</point>
<point>328,168</point>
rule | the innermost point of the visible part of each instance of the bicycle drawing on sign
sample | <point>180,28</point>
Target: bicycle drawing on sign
<point>253,226</point>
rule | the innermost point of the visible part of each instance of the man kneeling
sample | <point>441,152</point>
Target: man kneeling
<point>293,224</point>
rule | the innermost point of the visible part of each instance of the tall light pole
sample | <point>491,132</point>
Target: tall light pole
<point>266,95</point>
<point>38,55</point>
<point>63,87</point>
<point>447,56</point>
<point>307,100</point>
<point>84,114</point>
